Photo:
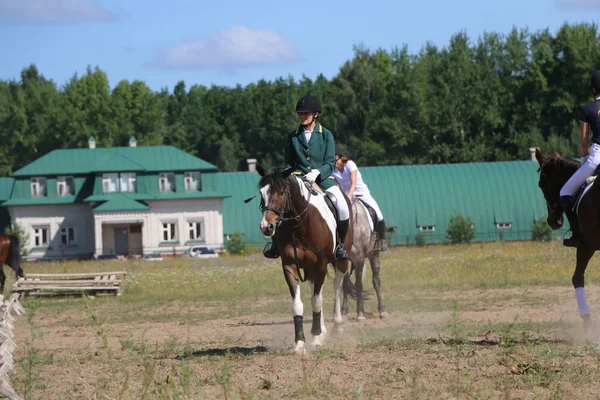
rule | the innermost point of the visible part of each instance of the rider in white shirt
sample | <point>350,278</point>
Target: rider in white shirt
<point>346,173</point>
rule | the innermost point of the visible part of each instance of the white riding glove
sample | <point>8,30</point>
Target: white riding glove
<point>312,175</point>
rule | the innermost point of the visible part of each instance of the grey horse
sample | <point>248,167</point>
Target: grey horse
<point>364,245</point>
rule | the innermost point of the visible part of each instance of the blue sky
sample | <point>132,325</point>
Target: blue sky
<point>229,42</point>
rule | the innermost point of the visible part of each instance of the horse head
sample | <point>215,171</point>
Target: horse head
<point>554,171</point>
<point>275,200</point>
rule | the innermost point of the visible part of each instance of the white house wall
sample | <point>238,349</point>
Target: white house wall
<point>95,231</point>
<point>209,211</point>
<point>56,217</point>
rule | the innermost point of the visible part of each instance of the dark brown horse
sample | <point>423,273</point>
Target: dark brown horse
<point>10,254</point>
<point>555,171</point>
<point>305,232</point>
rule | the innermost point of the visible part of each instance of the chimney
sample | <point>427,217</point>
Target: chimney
<point>132,142</point>
<point>532,153</point>
<point>251,164</point>
<point>92,142</point>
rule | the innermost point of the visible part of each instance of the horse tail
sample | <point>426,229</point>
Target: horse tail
<point>349,287</point>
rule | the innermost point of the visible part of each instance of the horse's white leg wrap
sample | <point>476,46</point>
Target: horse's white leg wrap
<point>337,292</point>
<point>317,307</point>
<point>584,309</point>
<point>298,311</point>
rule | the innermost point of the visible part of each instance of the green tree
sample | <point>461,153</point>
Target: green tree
<point>460,229</point>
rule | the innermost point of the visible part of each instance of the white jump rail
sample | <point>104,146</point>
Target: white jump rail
<point>94,283</point>
<point>7,344</point>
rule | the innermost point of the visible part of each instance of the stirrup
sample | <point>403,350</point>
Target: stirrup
<point>383,245</point>
<point>340,253</point>
<point>572,241</point>
<point>270,252</point>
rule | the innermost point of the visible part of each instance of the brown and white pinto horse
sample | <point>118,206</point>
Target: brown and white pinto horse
<point>10,253</point>
<point>305,232</point>
<point>555,171</point>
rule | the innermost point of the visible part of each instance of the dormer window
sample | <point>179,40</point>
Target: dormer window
<point>38,187</point>
<point>166,182</point>
<point>110,183</point>
<point>192,181</point>
<point>123,182</point>
<point>65,186</point>
<point>128,182</point>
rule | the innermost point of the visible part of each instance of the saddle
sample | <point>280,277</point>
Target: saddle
<point>583,189</point>
<point>371,210</point>
<point>316,189</point>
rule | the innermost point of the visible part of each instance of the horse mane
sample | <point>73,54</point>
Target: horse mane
<point>15,246</point>
<point>560,163</point>
<point>273,178</point>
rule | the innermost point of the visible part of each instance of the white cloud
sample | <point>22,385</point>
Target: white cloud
<point>53,11</point>
<point>235,46</point>
<point>580,4</point>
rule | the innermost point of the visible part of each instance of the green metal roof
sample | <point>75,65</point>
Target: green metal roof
<point>238,215</point>
<point>6,187</point>
<point>410,196</point>
<point>38,201</point>
<point>142,158</point>
<point>121,202</point>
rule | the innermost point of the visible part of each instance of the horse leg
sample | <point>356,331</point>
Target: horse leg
<point>289,271</point>
<point>584,253</point>
<point>375,267</point>
<point>2,280</point>
<point>338,320</point>
<point>360,301</point>
<point>318,329</point>
<point>344,304</point>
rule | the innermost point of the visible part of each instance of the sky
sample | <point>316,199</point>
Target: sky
<point>230,42</point>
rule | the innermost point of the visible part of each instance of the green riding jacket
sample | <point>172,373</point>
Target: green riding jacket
<point>318,153</point>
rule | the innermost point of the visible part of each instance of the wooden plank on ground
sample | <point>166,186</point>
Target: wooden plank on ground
<point>89,274</point>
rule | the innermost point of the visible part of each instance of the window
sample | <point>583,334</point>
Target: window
<point>192,181</point>
<point>427,228</point>
<point>169,232</point>
<point>40,236</point>
<point>110,183</point>
<point>65,186</point>
<point>38,187</point>
<point>67,235</point>
<point>504,225</point>
<point>195,230</point>
<point>127,182</point>
<point>166,182</point>
<point>123,182</point>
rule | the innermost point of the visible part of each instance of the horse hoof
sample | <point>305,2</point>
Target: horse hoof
<point>361,318</point>
<point>299,349</point>
<point>383,315</point>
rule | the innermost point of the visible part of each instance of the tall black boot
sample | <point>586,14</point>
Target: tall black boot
<point>342,230</point>
<point>272,251</point>
<point>567,204</point>
<point>383,244</point>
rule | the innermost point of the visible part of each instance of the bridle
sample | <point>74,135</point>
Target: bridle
<point>286,209</point>
<point>553,206</point>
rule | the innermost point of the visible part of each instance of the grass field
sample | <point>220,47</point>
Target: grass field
<point>494,320</point>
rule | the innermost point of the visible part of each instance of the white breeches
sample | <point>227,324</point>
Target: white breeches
<point>585,171</point>
<point>367,198</point>
<point>336,196</point>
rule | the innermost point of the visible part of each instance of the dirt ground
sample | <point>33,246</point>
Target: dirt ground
<point>505,349</point>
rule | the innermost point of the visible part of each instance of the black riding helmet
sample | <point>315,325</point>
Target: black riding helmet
<point>596,81</point>
<point>308,104</point>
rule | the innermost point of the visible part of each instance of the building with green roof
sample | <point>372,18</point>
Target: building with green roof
<point>117,200</point>
<point>501,198</point>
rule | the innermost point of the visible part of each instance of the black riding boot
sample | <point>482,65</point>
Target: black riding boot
<point>272,251</point>
<point>342,229</point>
<point>383,244</point>
<point>567,204</point>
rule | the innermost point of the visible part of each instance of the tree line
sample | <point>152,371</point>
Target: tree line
<point>488,99</point>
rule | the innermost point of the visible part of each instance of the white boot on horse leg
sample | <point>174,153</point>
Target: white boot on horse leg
<point>589,325</point>
<point>299,348</point>
<point>338,320</point>
<point>318,326</point>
